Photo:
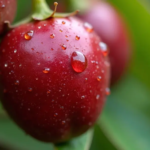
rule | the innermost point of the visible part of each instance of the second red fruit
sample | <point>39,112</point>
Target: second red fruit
<point>111,28</point>
<point>7,12</point>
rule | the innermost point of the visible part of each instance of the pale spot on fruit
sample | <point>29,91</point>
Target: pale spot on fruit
<point>28,35</point>
<point>97,97</point>
<point>78,62</point>
<point>5,65</point>
<point>15,51</point>
<point>63,122</point>
<point>82,97</point>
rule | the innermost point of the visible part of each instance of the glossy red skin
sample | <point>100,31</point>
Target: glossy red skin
<point>7,12</point>
<point>111,28</point>
<point>35,111</point>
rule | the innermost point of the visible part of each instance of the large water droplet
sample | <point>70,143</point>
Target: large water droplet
<point>88,27</point>
<point>28,35</point>
<point>46,70</point>
<point>104,48</point>
<point>78,61</point>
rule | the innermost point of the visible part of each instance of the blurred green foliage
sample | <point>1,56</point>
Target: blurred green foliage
<point>125,121</point>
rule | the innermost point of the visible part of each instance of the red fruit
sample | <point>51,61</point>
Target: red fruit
<point>50,73</point>
<point>110,27</point>
<point>7,11</point>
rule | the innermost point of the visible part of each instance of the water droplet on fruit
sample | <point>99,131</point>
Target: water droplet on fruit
<point>28,35</point>
<point>78,62</point>
<point>30,89</point>
<point>104,48</point>
<point>63,22</point>
<point>49,91</point>
<point>107,91</point>
<point>17,82</point>
<point>82,97</point>
<point>38,64</point>
<point>15,51</point>
<point>56,114</point>
<point>63,122</point>
<point>99,78</point>
<point>5,65</point>
<point>39,27</point>
<point>64,47</point>
<point>52,36</point>
<point>46,70</point>
<point>88,27</point>
<point>97,97</point>
<point>3,6</point>
<point>61,30</point>
<point>77,37</point>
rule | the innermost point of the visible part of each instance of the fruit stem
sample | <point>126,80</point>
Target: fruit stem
<point>41,11</point>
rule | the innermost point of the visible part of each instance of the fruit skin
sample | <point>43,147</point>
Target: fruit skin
<point>109,25</point>
<point>7,12</point>
<point>60,104</point>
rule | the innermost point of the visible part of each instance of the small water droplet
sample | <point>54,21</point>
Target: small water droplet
<point>52,36</point>
<point>30,89</point>
<point>49,91</point>
<point>97,97</point>
<point>99,78</point>
<point>63,122</point>
<point>61,30</point>
<point>56,114</point>
<point>78,62</point>
<point>63,22</point>
<point>82,97</point>
<point>38,64</point>
<point>17,82</point>
<point>5,65</point>
<point>36,78</point>
<point>104,48</point>
<point>39,27</point>
<point>86,79</point>
<point>88,27</point>
<point>28,35</point>
<point>46,70</point>
<point>77,37</point>
<point>107,91</point>
<point>15,51</point>
<point>64,47</point>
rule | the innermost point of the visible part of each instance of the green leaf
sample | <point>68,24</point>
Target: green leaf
<point>138,18</point>
<point>82,142</point>
<point>100,141</point>
<point>13,138</point>
<point>128,126</point>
